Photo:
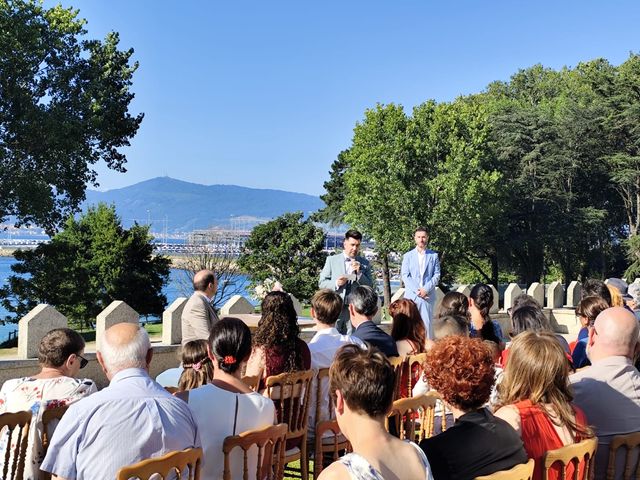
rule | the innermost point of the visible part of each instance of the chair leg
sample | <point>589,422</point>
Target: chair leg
<point>304,460</point>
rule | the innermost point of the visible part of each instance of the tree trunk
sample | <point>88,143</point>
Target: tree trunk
<point>495,272</point>
<point>386,280</point>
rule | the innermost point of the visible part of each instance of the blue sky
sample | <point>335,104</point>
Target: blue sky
<point>266,94</point>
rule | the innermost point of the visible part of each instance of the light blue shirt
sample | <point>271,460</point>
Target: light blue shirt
<point>133,419</point>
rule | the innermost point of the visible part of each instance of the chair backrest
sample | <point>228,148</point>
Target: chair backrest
<point>414,370</point>
<point>322,380</point>
<point>270,442</point>
<point>524,471</point>
<point>399,365</point>
<point>333,444</point>
<point>17,425</point>
<point>291,392</point>
<point>413,417</point>
<point>47,417</point>
<point>631,442</point>
<point>181,462</point>
<point>580,453</point>
<point>252,381</point>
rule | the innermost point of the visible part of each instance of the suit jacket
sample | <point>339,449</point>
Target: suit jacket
<point>372,334</point>
<point>198,317</point>
<point>334,267</point>
<point>411,274</point>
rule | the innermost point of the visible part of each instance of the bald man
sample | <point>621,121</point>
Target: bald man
<point>198,315</point>
<point>609,390</point>
<point>134,418</point>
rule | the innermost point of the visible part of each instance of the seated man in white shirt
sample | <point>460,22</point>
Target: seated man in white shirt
<point>326,306</point>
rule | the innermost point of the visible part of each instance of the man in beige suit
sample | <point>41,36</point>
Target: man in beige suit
<point>198,315</point>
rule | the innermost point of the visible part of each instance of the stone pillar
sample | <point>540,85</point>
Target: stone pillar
<point>555,295</point>
<point>536,290</point>
<point>296,305</point>
<point>116,312</point>
<point>172,322</point>
<point>512,291</point>
<point>496,300</point>
<point>464,289</point>
<point>398,294</point>
<point>436,306</point>
<point>377,318</point>
<point>238,305</point>
<point>574,292</point>
<point>35,325</point>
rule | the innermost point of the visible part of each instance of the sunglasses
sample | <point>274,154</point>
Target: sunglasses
<point>83,361</point>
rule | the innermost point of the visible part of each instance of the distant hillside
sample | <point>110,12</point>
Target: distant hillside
<point>188,206</point>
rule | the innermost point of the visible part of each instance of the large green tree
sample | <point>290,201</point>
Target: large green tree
<point>90,263</point>
<point>64,106</point>
<point>288,249</point>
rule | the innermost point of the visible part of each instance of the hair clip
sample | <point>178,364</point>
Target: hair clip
<point>229,359</point>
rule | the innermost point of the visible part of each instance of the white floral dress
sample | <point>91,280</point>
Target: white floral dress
<point>38,395</point>
<point>360,469</point>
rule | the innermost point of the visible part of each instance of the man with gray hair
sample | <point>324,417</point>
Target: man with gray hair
<point>363,305</point>
<point>133,419</point>
<point>609,390</point>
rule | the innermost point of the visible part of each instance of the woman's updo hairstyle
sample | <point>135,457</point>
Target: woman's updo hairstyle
<point>230,343</point>
<point>482,296</point>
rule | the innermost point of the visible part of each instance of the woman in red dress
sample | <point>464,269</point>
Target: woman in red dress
<point>536,399</point>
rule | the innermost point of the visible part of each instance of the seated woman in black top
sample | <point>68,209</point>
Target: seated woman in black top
<point>461,370</point>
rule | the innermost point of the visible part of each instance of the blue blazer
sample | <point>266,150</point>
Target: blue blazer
<point>371,333</point>
<point>410,272</point>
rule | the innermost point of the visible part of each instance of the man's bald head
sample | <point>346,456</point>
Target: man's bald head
<point>124,345</point>
<point>614,333</point>
<point>205,281</point>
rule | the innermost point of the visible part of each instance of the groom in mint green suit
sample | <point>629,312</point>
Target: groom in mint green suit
<point>421,273</point>
<point>344,270</point>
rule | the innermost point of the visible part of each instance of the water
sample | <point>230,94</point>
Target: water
<point>176,287</point>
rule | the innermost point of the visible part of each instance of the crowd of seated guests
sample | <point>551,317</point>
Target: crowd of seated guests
<point>499,418</point>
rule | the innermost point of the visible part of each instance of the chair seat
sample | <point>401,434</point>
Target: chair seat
<point>292,452</point>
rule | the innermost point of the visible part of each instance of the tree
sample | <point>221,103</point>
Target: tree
<point>63,107</point>
<point>86,266</point>
<point>333,213</point>
<point>287,249</point>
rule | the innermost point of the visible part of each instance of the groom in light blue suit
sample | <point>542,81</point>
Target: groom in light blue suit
<point>421,274</point>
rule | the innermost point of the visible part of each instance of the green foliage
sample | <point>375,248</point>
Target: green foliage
<point>86,266</point>
<point>633,255</point>
<point>63,107</point>
<point>287,249</point>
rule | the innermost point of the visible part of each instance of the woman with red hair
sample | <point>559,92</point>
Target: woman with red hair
<point>407,328</point>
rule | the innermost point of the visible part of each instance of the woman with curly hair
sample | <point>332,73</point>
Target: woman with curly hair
<point>196,365</point>
<point>454,304</point>
<point>407,328</point>
<point>276,345</point>
<point>461,370</point>
<point>536,398</point>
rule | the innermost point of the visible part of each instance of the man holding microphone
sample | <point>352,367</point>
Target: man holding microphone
<point>343,270</point>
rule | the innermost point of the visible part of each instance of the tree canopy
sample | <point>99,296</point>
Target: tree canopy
<point>90,263</point>
<point>287,249</point>
<point>64,106</point>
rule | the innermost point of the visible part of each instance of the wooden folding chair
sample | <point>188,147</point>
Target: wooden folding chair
<point>17,424</point>
<point>270,442</point>
<point>524,471</point>
<point>252,381</point>
<point>413,416</point>
<point>180,462</point>
<point>414,370</point>
<point>630,442</point>
<point>441,418</point>
<point>47,417</point>
<point>325,422</point>
<point>576,454</point>
<point>291,392</point>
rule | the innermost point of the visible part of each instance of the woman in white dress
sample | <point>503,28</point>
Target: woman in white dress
<point>361,382</point>
<point>227,406</point>
<point>60,355</point>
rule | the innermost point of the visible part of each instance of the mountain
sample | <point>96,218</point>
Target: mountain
<point>188,206</point>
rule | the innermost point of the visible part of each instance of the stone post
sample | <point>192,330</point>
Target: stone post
<point>512,291</point>
<point>35,325</point>
<point>574,292</point>
<point>464,289</point>
<point>397,295</point>
<point>296,305</point>
<point>172,322</point>
<point>555,295</point>
<point>536,290</point>
<point>116,312</point>
<point>496,300</point>
<point>436,306</point>
<point>377,318</point>
<point>237,305</point>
